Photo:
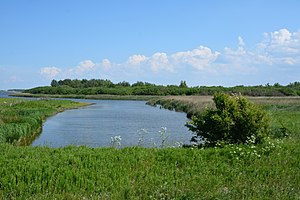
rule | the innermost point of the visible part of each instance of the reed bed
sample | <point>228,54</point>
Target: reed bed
<point>21,119</point>
<point>191,105</point>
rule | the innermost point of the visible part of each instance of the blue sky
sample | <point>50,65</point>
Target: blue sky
<point>213,42</point>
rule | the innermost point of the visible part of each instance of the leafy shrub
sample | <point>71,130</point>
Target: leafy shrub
<point>234,120</point>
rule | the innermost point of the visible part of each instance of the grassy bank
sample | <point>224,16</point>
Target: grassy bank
<point>21,120</point>
<point>138,173</point>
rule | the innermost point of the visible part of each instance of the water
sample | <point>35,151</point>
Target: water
<point>4,94</point>
<point>95,125</point>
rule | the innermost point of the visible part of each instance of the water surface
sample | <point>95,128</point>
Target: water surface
<point>95,125</point>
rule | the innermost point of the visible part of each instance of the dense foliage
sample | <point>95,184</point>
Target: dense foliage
<point>22,119</point>
<point>234,120</point>
<point>100,86</point>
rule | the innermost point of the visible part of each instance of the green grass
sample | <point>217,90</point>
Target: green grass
<point>139,173</point>
<point>21,120</point>
<point>285,119</point>
<point>267,171</point>
<point>148,173</point>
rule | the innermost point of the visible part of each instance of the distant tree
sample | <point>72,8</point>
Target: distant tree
<point>54,83</point>
<point>138,83</point>
<point>67,82</point>
<point>276,85</point>
<point>295,84</point>
<point>124,84</point>
<point>183,84</point>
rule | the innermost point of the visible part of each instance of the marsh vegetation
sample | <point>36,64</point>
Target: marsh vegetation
<point>21,120</point>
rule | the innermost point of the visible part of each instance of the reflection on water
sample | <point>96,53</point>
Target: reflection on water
<point>95,125</point>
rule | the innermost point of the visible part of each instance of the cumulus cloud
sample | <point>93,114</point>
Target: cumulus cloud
<point>241,41</point>
<point>281,47</point>
<point>50,72</point>
<point>106,64</point>
<point>82,68</point>
<point>281,37</point>
<point>86,65</point>
<point>136,60</point>
<point>200,58</point>
<point>159,61</point>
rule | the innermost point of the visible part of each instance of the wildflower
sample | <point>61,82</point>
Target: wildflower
<point>116,141</point>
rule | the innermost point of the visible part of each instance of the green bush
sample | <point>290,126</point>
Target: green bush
<point>235,120</point>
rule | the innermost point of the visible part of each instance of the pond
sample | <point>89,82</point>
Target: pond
<point>134,121</point>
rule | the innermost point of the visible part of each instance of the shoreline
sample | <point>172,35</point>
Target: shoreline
<point>93,97</point>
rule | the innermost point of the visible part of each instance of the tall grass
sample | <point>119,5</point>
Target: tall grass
<point>191,105</point>
<point>21,119</point>
<point>140,173</point>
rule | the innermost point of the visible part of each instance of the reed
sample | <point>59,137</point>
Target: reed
<point>191,105</point>
<point>21,119</point>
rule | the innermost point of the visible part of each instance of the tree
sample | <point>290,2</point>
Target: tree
<point>183,84</point>
<point>54,83</point>
<point>138,83</point>
<point>234,121</point>
<point>124,84</point>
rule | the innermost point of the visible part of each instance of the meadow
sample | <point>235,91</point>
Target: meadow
<point>267,171</point>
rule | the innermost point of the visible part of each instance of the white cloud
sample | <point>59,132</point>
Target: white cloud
<point>82,68</point>
<point>200,58</point>
<point>241,41</point>
<point>50,72</point>
<point>86,65</point>
<point>159,61</point>
<point>106,64</point>
<point>282,47</point>
<point>136,60</point>
<point>281,37</point>
<point>278,48</point>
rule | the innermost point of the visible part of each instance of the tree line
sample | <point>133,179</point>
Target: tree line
<point>101,86</point>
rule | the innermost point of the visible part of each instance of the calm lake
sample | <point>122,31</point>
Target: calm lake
<point>95,125</point>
